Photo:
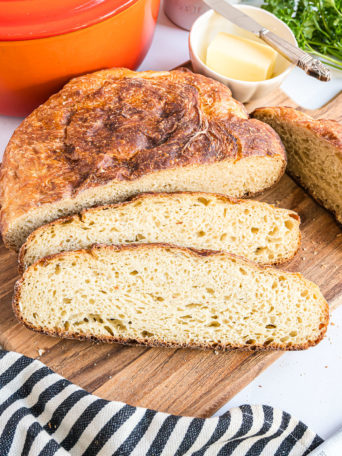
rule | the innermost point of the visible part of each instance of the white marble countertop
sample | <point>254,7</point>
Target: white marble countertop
<point>306,384</point>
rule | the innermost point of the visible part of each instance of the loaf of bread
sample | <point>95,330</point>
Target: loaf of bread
<point>112,134</point>
<point>314,149</point>
<point>162,295</point>
<point>255,230</point>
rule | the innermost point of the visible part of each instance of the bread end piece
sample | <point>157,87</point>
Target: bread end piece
<point>314,150</point>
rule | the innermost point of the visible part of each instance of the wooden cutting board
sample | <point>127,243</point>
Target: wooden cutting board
<point>183,381</point>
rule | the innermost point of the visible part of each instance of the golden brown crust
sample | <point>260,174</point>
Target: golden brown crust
<point>117,125</point>
<point>140,197</point>
<point>154,342</point>
<point>327,129</point>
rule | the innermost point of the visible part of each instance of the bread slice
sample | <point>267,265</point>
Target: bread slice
<point>109,135</point>
<point>255,230</point>
<point>162,295</point>
<point>314,149</point>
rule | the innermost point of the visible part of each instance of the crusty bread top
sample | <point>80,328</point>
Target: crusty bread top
<point>119,125</point>
<point>327,129</point>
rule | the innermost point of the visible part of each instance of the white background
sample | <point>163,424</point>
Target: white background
<point>306,384</point>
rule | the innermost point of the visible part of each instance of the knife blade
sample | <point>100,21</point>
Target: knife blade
<point>312,66</point>
<point>235,15</point>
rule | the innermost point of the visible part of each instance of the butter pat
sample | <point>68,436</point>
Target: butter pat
<point>240,58</point>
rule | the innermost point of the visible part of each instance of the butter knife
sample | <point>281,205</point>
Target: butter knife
<point>313,67</point>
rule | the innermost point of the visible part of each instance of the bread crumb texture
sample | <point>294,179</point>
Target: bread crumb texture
<point>255,230</point>
<point>156,294</point>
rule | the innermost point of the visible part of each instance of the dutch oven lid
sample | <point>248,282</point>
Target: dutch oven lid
<point>32,19</point>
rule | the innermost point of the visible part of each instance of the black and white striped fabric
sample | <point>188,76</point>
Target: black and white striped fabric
<point>41,413</point>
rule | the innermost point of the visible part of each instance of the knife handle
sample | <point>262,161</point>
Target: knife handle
<point>306,62</point>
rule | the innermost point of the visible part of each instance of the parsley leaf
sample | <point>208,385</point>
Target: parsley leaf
<point>316,24</point>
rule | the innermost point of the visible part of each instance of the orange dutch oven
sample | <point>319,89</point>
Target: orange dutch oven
<point>44,43</point>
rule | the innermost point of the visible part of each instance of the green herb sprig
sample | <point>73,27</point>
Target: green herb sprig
<point>316,24</point>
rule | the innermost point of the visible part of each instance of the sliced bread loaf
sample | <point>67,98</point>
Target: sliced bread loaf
<point>314,149</point>
<point>110,135</point>
<point>255,230</point>
<point>162,295</point>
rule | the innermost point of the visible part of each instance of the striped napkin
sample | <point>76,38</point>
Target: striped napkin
<point>42,413</point>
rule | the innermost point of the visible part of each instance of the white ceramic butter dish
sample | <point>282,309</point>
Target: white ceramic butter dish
<point>209,24</point>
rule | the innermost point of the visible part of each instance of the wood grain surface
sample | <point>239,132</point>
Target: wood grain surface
<point>183,381</point>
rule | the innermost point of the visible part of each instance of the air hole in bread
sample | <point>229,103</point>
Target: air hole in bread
<point>268,341</point>
<point>96,318</point>
<point>289,224</point>
<point>274,231</point>
<point>204,201</point>
<point>109,330</point>
<point>214,324</point>
<point>193,305</point>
